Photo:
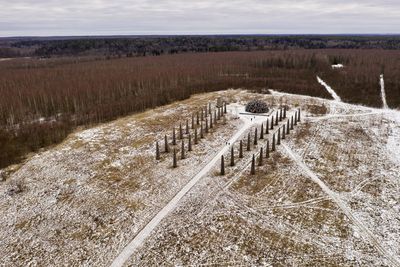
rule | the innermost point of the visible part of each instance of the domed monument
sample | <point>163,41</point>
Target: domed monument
<point>257,106</point>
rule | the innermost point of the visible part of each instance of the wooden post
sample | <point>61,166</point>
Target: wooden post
<point>267,150</point>
<point>291,123</point>
<point>206,125</point>
<point>197,118</point>
<point>180,131</point>
<point>287,127</point>
<point>202,115</point>
<point>201,131</point>
<point>173,137</point>
<point>299,116</point>
<point>211,122</point>
<point>174,161</point>
<point>280,114</point>
<point>284,112</point>
<point>273,142</point>
<point>295,118</point>
<point>272,123</point>
<point>241,149</point>
<point>193,122</point>
<point>190,143</point>
<point>283,131</point>
<point>260,159</point>
<point>209,108</point>
<point>183,150</point>
<point>248,142</point>
<point>166,146</point>
<point>222,165</point>
<point>279,137</point>
<point>196,141</point>
<point>276,118</point>
<point>253,166</point>
<point>267,127</point>
<point>232,157</point>
<point>255,136</point>
<point>225,108</point>
<point>262,131</point>
<point>187,127</point>
<point>157,151</point>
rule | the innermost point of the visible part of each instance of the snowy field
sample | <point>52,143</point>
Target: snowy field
<point>328,196</point>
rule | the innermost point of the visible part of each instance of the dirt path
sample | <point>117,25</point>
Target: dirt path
<point>383,93</point>
<point>364,231</point>
<point>124,256</point>
<point>329,89</point>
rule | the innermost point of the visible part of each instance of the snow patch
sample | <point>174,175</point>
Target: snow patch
<point>337,66</point>
<point>329,89</point>
<point>383,93</point>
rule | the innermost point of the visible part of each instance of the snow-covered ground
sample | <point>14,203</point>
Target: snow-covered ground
<point>328,196</point>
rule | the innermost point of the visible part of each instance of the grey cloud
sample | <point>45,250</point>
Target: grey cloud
<point>85,17</point>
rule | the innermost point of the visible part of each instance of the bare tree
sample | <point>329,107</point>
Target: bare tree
<point>197,118</point>
<point>193,122</point>
<point>187,127</point>
<point>180,131</point>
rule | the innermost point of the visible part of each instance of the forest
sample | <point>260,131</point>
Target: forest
<point>130,46</point>
<point>44,100</point>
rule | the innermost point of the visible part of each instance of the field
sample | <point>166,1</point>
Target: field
<point>44,100</point>
<point>328,196</point>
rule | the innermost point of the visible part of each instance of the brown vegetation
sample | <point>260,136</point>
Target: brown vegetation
<point>43,101</point>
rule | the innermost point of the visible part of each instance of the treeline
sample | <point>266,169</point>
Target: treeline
<point>44,100</point>
<point>155,46</point>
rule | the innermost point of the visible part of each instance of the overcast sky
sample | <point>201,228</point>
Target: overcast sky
<point>113,17</point>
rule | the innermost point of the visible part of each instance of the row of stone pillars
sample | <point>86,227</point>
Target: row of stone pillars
<point>264,152</point>
<point>201,124</point>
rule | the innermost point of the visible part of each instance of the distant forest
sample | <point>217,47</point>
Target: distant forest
<point>134,46</point>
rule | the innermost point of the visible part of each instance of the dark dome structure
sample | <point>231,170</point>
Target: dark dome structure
<point>257,106</point>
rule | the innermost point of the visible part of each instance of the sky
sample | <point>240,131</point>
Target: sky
<point>142,17</point>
